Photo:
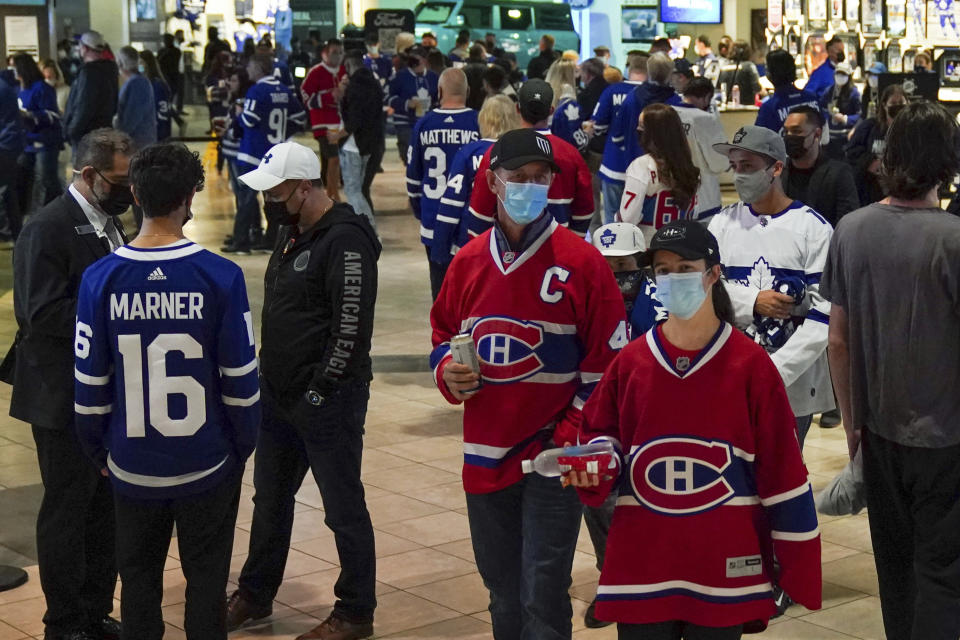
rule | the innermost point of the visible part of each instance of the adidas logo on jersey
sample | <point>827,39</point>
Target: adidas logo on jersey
<point>156,274</point>
<point>449,119</point>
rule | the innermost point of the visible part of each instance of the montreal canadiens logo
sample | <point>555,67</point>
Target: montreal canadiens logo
<point>507,348</point>
<point>681,476</point>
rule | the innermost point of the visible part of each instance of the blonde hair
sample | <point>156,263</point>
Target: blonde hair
<point>570,54</point>
<point>612,75</point>
<point>404,41</point>
<point>561,72</point>
<point>497,116</point>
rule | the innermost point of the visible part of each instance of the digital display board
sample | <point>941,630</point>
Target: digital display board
<point>691,11</point>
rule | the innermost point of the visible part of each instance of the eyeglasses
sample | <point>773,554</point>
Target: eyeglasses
<point>121,185</point>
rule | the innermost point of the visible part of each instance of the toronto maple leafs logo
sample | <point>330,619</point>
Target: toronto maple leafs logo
<point>607,238</point>
<point>760,276</point>
<point>572,111</point>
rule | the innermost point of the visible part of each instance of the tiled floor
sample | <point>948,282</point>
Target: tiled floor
<point>428,586</point>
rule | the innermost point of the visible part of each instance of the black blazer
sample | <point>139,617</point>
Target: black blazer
<point>54,248</point>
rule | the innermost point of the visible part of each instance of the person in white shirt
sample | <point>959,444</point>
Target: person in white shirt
<point>704,130</point>
<point>774,251</point>
<point>664,184</point>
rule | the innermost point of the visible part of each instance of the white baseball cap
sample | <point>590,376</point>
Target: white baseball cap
<point>619,239</point>
<point>284,161</point>
<point>92,40</point>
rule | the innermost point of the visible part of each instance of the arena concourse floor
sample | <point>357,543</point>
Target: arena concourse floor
<point>427,583</point>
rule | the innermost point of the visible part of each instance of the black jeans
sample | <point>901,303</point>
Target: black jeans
<point>373,167</point>
<point>675,630</point>
<point>246,226</point>
<point>205,524</point>
<point>403,141</point>
<point>913,502</point>
<point>437,273</point>
<point>75,534</point>
<point>10,215</point>
<point>44,163</point>
<point>328,440</point>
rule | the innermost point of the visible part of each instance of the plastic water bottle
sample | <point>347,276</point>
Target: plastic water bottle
<point>735,95</point>
<point>546,463</point>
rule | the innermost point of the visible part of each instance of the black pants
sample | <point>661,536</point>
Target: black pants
<point>205,524</point>
<point>437,273</point>
<point>913,502</point>
<point>10,216</point>
<point>403,141</point>
<point>75,534</point>
<point>676,630</point>
<point>373,167</point>
<point>328,440</point>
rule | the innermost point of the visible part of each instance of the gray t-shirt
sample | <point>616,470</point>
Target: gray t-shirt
<point>896,273</point>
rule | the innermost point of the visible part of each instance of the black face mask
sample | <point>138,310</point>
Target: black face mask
<point>795,146</point>
<point>893,110</point>
<point>117,201</point>
<point>277,210</point>
<point>629,283</point>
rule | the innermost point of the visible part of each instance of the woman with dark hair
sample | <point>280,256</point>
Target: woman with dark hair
<point>740,71</point>
<point>161,93</point>
<point>704,438</point>
<point>663,184</point>
<point>868,142</point>
<point>41,115</point>
<point>216,83</point>
<point>843,103</point>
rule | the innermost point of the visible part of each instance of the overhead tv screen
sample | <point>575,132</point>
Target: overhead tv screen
<point>692,11</point>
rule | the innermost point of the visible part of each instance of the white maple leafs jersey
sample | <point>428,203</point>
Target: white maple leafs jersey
<point>760,252</point>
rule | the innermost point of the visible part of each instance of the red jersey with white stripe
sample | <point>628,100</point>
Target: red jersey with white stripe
<point>317,90</point>
<point>570,200</point>
<point>711,487</point>
<point>546,323</point>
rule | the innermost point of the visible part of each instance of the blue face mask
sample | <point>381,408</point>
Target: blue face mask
<point>524,201</point>
<point>682,294</point>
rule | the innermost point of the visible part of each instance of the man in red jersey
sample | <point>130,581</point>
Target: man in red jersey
<point>546,316</point>
<point>321,91</point>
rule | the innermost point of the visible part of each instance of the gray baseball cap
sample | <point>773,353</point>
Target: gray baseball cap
<point>759,140</point>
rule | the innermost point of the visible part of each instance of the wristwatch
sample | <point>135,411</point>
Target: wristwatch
<point>314,398</point>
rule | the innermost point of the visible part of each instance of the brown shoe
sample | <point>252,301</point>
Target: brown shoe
<point>241,610</point>
<point>334,628</point>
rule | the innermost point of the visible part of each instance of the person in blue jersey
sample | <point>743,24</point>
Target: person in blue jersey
<point>271,114</point>
<point>12,137</point>
<point>613,165</point>
<point>498,115</point>
<point>38,103</point>
<point>161,94</point>
<point>381,64</point>
<point>844,106</point>
<point>173,435</point>
<point>317,325</point>
<point>435,141</point>
<point>239,83</point>
<point>411,93</point>
<point>567,118</point>
<point>822,79</point>
<point>656,89</point>
<point>782,72</point>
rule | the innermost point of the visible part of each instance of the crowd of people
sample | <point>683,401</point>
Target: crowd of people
<point>574,230</point>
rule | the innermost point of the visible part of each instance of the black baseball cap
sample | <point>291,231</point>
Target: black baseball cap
<point>683,67</point>
<point>519,147</point>
<point>536,96</point>
<point>688,239</point>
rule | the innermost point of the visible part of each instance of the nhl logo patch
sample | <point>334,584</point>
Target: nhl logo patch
<point>683,363</point>
<point>509,257</point>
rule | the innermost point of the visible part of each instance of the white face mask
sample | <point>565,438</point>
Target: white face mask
<point>841,79</point>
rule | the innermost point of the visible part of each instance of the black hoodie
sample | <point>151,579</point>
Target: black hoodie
<point>321,286</point>
<point>362,111</point>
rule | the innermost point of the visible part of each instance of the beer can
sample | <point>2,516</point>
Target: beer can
<point>464,351</point>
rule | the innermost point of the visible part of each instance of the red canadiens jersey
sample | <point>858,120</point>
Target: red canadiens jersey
<point>711,489</point>
<point>570,200</point>
<point>317,91</point>
<point>546,324</point>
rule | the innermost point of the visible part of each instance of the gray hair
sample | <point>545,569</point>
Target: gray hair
<point>659,67</point>
<point>97,148</point>
<point>128,59</point>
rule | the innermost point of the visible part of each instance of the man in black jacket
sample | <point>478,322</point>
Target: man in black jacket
<point>93,95</point>
<point>537,68</point>
<point>321,286</point>
<point>75,527</point>
<point>825,185</point>
<point>591,71</point>
<point>361,110</point>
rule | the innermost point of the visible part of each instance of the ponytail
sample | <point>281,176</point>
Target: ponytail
<point>722,306</point>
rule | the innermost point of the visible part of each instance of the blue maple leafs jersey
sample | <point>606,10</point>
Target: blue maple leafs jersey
<point>272,114</point>
<point>435,140</point>
<point>167,396</point>
<point>450,230</point>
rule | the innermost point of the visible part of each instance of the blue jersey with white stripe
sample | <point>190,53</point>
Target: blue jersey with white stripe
<point>604,114</point>
<point>44,130</point>
<point>450,231</point>
<point>272,113</point>
<point>777,106</point>
<point>167,395</point>
<point>435,140</point>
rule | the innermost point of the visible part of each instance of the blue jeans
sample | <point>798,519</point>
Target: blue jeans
<point>803,426</point>
<point>246,225</point>
<point>612,193</point>
<point>524,538</point>
<point>353,167</point>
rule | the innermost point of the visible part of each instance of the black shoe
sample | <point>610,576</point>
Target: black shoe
<point>241,610</point>
<point>72,635</point>
<point>590,621</point>
<point>830,419</point>
<point>106,629</point>
<point>235,250</point>
<point>782,600</point>
<point>263,247</point>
